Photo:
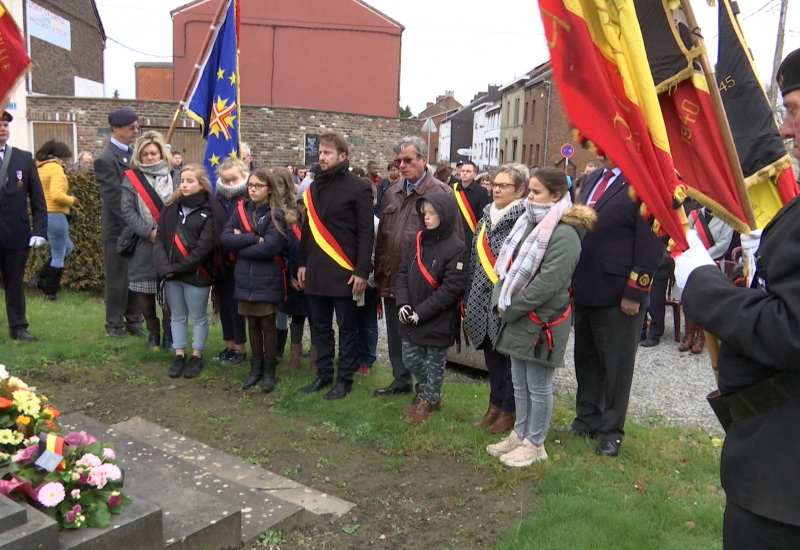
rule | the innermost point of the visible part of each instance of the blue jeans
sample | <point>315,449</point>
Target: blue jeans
<point>190,301</point>
<point>58,237</point>
<point>533,396</point>
<point>368,328</point>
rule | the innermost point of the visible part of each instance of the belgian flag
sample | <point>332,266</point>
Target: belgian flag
<point>14,60</point>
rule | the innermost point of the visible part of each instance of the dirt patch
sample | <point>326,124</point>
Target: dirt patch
<point>416,499</point>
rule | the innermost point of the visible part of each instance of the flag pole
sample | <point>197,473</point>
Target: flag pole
<point>196,69</point>
<point>722,118</point>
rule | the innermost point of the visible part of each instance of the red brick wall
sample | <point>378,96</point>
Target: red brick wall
<point>154,83</point>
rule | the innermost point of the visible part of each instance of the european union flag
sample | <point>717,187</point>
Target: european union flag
<point>214,101</point>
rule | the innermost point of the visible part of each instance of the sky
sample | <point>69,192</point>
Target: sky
<point>460,46</point>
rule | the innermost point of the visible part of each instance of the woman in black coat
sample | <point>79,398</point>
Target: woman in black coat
<point>257,233</point>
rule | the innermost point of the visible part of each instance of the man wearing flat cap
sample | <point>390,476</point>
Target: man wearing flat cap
<point>19,185</point>
<point>122,314</point>
<point>759,372</point>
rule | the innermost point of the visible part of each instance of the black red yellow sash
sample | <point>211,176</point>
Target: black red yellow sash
<point>324,239</point>
<point>485,255</point>
<point>466,209</point>
<point>421,266</point>
<point>702,229</point>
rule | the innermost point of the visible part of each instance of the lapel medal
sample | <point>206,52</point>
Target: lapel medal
<point>19,178</point>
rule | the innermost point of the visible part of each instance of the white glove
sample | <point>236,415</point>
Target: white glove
<point>404,314</point>
<point>750,243</point>
<point>413,318</point>
<point>36,241</point>
<point>689,260</point>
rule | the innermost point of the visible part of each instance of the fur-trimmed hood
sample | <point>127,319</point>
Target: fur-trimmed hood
<point>581,217</point>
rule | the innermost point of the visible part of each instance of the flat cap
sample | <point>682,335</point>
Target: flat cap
<point>6,116</point>
<point>789,73</point>
<point>122,117</point>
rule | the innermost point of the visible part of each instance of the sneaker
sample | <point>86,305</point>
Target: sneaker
<point>194,367</point>
<point>176,368</point>
<point>235,357</point>
<point>224,355</point>
<point>363,370</point>
<point>504,445</point>
<point>525,454</point>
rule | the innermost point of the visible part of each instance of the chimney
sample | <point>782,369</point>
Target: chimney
<point>448,93</point>
<point>429,105</point>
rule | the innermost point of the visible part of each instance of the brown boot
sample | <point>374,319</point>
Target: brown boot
<point>504,422</point>
<point>312,360</point>
<point>699,341</point>
<point>489,417</point>
<point>295,350</point>
<point>411,408</point>
<point>688,337</point>
<point>421,413</point>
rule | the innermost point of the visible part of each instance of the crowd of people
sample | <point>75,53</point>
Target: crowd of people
<point>515,256</point>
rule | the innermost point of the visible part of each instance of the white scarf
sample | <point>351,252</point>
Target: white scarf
<point>160,179</point>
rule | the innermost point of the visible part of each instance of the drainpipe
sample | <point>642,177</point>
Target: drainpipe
<point>547,122</point>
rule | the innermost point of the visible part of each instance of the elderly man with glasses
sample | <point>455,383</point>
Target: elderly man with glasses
<point>400,222</point>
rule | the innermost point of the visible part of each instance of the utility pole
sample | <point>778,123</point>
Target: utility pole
<point>773,87</point>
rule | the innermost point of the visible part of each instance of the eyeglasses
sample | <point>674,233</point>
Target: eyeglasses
<point>257,186</point>
<point>501,185</point>
<point>407,160</point>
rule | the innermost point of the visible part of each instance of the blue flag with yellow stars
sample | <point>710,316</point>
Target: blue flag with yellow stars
<point>214,101</point>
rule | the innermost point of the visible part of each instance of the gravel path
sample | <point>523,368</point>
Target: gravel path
<point>669,386</point>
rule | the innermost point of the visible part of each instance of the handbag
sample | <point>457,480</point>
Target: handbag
<point>126,243</point>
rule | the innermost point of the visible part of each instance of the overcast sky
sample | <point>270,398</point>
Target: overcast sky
<point>460,46</point>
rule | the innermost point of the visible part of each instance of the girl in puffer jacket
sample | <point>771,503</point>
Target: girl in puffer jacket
<point>257,232</point>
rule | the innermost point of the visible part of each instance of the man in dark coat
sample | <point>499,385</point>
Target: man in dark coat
<point>109,167</point>
<point>471,197</point>
<point>610,288</point>
<point>334,261</point>
<point>19,183</point>
<point>759,381</point>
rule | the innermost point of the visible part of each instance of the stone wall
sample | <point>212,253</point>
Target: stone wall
<point>275,134</point>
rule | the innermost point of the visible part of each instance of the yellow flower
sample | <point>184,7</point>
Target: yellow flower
<point>10,437</point>
<point>16,382</point>
<point>27,402</point>
<point>22,419</point>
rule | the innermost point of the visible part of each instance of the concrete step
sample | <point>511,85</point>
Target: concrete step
<point>314,505</point>
<point>26,528</point>
<point>198,510</point>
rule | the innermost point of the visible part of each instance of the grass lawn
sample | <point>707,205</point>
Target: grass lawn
<point>661,492</point>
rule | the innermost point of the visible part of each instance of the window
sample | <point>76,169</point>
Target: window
<point>514,150</point>
<point>60,131</point>
<point>525,118</point>
<point>523,152</point>
<point>516,111</point>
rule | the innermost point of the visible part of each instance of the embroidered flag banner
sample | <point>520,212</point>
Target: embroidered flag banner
<point>15,61</point>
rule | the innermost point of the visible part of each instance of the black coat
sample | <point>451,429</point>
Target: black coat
<point>20,185</point>
<point>199,232</point>
<point>258,276</point>
<point>109,169</point>
<point>296,302</point>
<point>759,337</point>
<point>445,258</point>
<point>344,205</point>
<point>478,199</point>
<point>620,255</point>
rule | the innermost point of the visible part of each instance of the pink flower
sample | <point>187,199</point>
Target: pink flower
<point>111,471</point>
<point>98,478</point>
<point>113,499</point>
<point>26,454</point>
<point>50,494</point>
<point>89,460</point>
<point>79,439</point>
<point>75,494</point>
<point>108,453</point>
<point>69,517</point>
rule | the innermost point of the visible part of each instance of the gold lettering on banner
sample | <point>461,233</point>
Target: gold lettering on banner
<point>632,136</point>
<point>689,109</point>
<point>556,22</point>
<point>727,83</point>
<point>5,58</point>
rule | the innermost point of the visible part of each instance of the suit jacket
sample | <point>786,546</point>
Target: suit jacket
<point>620,255</point>
<point>21,184</point>
<point>757,329</point>
<point>109,169</point>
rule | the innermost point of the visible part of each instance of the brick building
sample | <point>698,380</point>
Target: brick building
<point>460,126</point>
<point>153,81</point>
<point>436,111</point>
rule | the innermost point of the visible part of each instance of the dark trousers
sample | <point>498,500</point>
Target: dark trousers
<point>368,328</point>
<point>12,269</point>
<point>658,303</point>
<point>395,343</point>
<point>120,304</point>
<point>233,324</point>
<point>743,530</point>
<point>322,335</point>
<point>606,341</point>
<point>501,390</point>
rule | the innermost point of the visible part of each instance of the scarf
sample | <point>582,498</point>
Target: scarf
<point>545,218</point>
<point>159,178</point>
<point>496,214</point>
<point>229,192</point>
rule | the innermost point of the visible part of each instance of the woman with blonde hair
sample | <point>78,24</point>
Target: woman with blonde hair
<point>147,186</point>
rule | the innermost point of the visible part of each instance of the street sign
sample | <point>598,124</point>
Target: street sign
<point>567,150</point>
<point>464,152</point>
<point>429,126</point>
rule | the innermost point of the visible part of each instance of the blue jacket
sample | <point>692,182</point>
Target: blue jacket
<point>258,276</point>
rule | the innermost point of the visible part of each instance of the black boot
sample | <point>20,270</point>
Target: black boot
<point>256,372</point>
<point>166,344</point>
<point>37,280</point>
<point>281,338</point>
<point>268,382</point>
<point>52,282</point>
<point>152,341</point>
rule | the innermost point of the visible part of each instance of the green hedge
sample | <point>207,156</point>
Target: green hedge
<point>83,269</point>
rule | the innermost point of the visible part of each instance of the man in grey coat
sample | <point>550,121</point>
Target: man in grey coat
<point>109,166</point>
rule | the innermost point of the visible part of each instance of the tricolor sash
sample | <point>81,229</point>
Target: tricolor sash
<point>485,255</point>
<point>324,239</point>
<point>466,209</point>
<point>702,229</point>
